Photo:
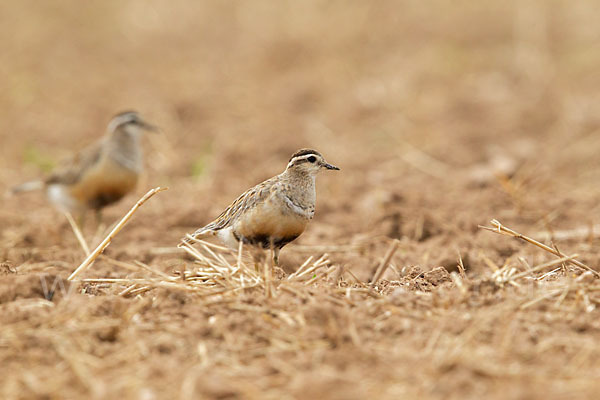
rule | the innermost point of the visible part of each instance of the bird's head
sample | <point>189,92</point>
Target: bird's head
<point>309,162</point>
<point>130,122</point>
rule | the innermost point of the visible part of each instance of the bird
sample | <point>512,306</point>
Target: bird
<point>100,174</point>
<point>272,213</point>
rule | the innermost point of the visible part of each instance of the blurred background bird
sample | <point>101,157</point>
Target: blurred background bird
<point>100,174</point>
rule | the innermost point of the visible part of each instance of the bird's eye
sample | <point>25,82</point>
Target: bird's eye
<point>312,159</point>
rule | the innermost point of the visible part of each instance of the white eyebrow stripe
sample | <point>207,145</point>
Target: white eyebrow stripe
<point>120,120</point>
<point>302,157</point>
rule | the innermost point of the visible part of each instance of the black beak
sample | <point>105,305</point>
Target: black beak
<point>329,166</point>
<point>149,127</point>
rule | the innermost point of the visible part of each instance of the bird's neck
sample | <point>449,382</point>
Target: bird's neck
<point>123,146</point>
<point>299,177</point>
<point>299,185</point>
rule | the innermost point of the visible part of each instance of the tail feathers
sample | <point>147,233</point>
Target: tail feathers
<point>26,187</point>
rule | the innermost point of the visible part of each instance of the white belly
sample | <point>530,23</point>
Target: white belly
<point>226,236</point>
<point>60,197</point>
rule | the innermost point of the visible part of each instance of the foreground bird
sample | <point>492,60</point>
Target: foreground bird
<point>100,174</point>
<point>274,212</point>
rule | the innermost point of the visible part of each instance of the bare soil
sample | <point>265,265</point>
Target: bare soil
<point>442,116</point>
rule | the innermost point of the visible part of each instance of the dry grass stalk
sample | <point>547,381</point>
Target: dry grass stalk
<point>342,248</point>
<point>317,277</point>
<point>220,272</point>
<point>552,273</point>
<point>546,296</point>
<point>239,256</point>
<point>220,265</point>
<point>339,273</point>
<point>173,284</point>
<point>223,273</point>
<point>78,233</point>
<point>128,290</point>
<point>301,268</point>
<point>208,244</point>
<point>461,266</point>
<point>587,232</point>
<point>383,265</point>
<point>497,227</point>
<point>108,239</point>
<point>151,270</point>
<point>136,266</point>
<point>286,287</point>
<point>361,283</point>
<point>304,271</point>
<point>514,276</point>
<point>489,262</point>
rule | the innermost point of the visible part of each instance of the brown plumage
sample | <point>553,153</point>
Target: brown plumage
<point>100,174</point>
<point>274,212</point>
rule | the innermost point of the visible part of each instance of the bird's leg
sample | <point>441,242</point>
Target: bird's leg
<point>276,256</point>
<point>256,265</point>
<point>256,257</point>
<point>100,228</point>
<point>99,217</point>
<point>81,220</point>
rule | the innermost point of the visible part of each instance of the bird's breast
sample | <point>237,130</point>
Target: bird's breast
<point>103,184</point>
<point>268,221</point>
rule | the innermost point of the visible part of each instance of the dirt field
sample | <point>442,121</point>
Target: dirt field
<point>442,116</point>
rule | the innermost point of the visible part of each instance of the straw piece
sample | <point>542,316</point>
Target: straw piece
<point>385,262</point>
<point>108,239</point>
<point>78,233</point>
<point>541,267</point>
<point>501,229</point>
